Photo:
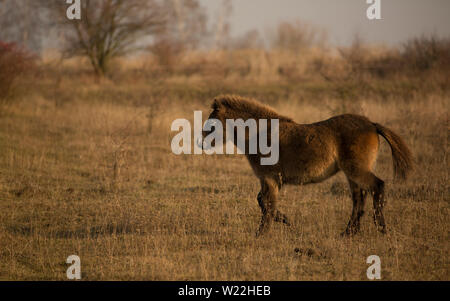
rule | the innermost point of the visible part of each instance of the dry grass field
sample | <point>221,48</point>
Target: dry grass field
<point>86,168</point>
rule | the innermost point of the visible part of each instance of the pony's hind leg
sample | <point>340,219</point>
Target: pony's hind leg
<point>367,180</point>
<point>267,201</point>
<point>378,204</point>
<point>358,198</point>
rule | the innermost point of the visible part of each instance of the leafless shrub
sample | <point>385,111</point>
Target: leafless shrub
<point>249,40</point>
<point>296,36</point>
<point>425,53</point>
<point>184,30</point>
<point>355,58</point>
<point>117,154</point>
<point>14,63</point>
<point>221,30</point>
<point>153,112</point>
<point>167,53</point>
<point>417,55</point>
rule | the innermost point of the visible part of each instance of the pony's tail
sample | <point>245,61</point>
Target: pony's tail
<point>402,159</point>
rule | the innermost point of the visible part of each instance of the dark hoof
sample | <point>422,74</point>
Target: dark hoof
<point>382,230</point>
<point>349,232</point>
<point>285,221</point>
<point>380,227</point>
<point>281,218</point>
<point>345,234</point>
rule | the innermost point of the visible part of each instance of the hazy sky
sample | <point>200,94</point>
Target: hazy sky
<point>342,19</point>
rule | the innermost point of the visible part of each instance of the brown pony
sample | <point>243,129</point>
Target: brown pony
<point>311,153</point>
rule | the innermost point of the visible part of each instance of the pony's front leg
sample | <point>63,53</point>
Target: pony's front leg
<point>279,217</point>
<point>267,200</point>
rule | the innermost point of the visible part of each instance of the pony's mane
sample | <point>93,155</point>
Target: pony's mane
<point>250,106</point>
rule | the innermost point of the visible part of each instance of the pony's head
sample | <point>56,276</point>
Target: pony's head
<point>216,116</point>
<point>236,107</point>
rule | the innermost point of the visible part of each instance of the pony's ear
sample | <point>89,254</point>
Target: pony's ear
<point>215,104</point>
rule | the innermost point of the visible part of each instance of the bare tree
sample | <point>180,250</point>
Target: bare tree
<point>185,30</point>
<point>222,30</point>
<point>249,40</point>
<point>186,23</point>
<point>108,28</point>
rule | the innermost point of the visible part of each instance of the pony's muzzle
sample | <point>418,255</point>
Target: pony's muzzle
<point>208,127</point>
